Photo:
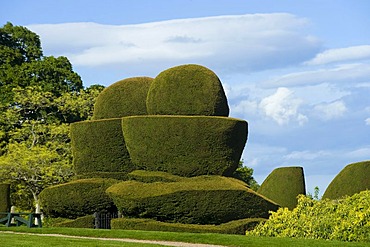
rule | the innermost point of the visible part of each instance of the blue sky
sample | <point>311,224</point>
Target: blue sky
<point>297,71</point>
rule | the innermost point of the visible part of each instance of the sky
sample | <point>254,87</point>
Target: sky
<point>297,71</point>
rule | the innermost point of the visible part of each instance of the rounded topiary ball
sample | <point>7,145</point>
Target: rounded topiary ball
<point>353,179</point>
<point>123,98</point>
<point>187,90</point>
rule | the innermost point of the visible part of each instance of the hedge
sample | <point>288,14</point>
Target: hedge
<point>354,178</point>
<point>198,200</point>
<point>185,145</point>
<point>232,227</point>
<point>153,176</point>
<point>81,222</point>
<point>115,175</point>
<point>187,90</point>
<point>283,185</point>
<point>99,146</point>
<point>77,198</point>
<point>123,98</point>
<point>5,198</point>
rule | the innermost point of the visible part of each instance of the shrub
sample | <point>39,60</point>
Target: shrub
<point>99,146</point>
<point>185,145</point>
<point>187,90</point>
<point>354,178</point>
<point>5,198</point>
<point>283,185</point>
<point>346,219</point>
<point>77,198</point>
<point>198,200</point>
<point>81,222</point>
<point>232,227</point>
<point>123,98</point>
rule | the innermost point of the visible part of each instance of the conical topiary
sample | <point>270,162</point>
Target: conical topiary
<point>283,185</point>
<point>353,179</point>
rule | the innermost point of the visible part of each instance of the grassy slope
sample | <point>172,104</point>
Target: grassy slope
<point>219,239</point>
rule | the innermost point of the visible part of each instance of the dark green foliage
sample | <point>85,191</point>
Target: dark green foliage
<point>187,90</point>
<point>283,185</point>
<point>81,222</point>
<point>185,145</point>
<point>98,146</point>
<point>353,179</point>
<point>198,200</point>
<point>5,198</point>
<point>153,176</point>
<point>232,227</point>
<point>123,98</point>
<point>77,198</point>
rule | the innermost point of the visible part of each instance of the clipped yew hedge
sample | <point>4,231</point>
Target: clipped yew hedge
<point>123,98</point>
<point>185,145</point>
<point>187,90</point>
<point>232,227</point>
<point>153,176</point>
<point>5,198</point>
<point>198,200</point>
<point>81,222</point>
<point>99,146</point>
<point>354,178</point>
<point>77,198</point>
<point>283,185</point>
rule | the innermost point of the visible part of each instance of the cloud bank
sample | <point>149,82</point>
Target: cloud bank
<point>241,43</point>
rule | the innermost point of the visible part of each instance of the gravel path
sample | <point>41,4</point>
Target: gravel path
<point>166,243</point>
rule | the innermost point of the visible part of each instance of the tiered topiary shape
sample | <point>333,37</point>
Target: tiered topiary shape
<point>283,185</point>
<point>353,179</point>
<point>178,148</point>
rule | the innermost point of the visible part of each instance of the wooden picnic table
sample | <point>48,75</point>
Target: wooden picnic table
<point>19,220</point>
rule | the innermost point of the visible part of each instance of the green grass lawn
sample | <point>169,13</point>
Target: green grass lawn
<point>218,239</point>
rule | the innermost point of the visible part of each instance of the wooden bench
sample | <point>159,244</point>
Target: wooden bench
<point>19,220</point>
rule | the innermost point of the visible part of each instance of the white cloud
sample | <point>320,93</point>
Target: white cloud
<point>236,43</point>
<point>306,155</point>
<point>282,106</point>
<point>360,153</point>
<point>367,121</point>
<point>341,55</point>
<point>328,111</point>
<point>245,107</point>
<point>344,73</point>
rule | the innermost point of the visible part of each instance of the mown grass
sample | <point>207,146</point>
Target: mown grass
<point>217,239</point>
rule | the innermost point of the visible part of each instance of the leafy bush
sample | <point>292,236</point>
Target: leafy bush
<point>283,185</point>
<point>232,227</point>
<point>185,145</point>
<point>4,198</point>
<point>198,200</point>
<point>187,90</point>
<point>99,146</point>
<point>123,98</point>
<point>346,219</point>
<point>77,198</point>
<point>354,178</point>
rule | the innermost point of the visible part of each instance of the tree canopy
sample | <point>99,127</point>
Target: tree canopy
<point>40,96</point>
